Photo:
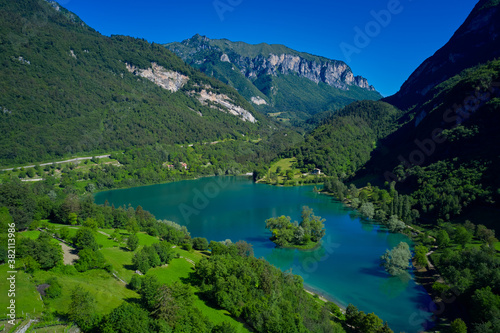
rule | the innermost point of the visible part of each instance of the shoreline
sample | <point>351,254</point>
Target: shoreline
<point>421,276</point>
<point>323,296</point>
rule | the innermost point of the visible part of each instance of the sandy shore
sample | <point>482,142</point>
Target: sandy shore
<point>323,297</point>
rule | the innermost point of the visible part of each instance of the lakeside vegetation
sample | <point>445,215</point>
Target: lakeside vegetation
<point>131,272</point>
<point>305,235</point>
<point>54,105</point>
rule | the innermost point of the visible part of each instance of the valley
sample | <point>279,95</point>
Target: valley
<point>211,185</point>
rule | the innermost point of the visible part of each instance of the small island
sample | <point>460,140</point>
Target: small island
<point>305,235</point>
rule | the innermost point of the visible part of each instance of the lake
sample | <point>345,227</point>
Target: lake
<point>345,268</point>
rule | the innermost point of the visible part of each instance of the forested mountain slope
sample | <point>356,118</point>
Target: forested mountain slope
<point>447,155</point>
<point>276,78</point>
<point>66,89</point>
<point>476,41</point>
<point>444,149</point>
<point>344,141</point>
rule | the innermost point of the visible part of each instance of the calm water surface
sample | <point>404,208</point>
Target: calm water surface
<point>345,268</point>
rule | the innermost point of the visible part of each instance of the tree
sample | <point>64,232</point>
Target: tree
<point>127,318</point>
<point>55,288</point>
<point>396,261</point>
<point>82,309</point>
<point>244,249</point>
<point>64,233</point>
<point>141,261</point>
<point>486,235</point>
<point>30,264</point>
<point>20,201</point>
<point>421,255</point>
<point>442,238</point>
<point>90,187</point>
<point>486,305</point>
<point>200,244</point>
<point>91,224</point>
<point>458,326</point>
<point>132,226</point>
<point>90,259</point>
<point>43,250</point>
<point>149,291</point>
<point>367,209</point>
<point>462,236</point>
<point>224,327</point>
<point>72,218</point>
<point>135,282</point>
<point>133,242</point>
<point>395,225</point>
<point>165,305</point>
<point>31,172</point>
<point>84,239</point>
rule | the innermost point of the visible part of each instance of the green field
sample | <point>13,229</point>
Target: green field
<point>108,291</point>
<point>27,298</point>
<point>286,164</point>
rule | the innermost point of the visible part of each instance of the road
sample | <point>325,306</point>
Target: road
<point>60,162</point>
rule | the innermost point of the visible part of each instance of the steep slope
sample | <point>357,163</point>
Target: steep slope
<point>447,155</point>
<point>276,78</point>
<point>444,149</point>
<point>476,41</point>
<point>66,89</point>
<point>343,142</point>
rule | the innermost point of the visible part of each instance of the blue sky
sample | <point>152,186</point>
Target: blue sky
<point>405,33</point>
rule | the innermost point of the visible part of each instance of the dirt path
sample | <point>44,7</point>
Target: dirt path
<point>103,233</point>
<point>70,255</point>
<point>189,261</point>
<point>60,162</point>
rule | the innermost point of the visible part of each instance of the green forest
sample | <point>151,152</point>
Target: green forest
<point>428,170</point>
<point>142,261</point>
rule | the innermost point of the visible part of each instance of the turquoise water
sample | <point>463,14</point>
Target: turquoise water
<point>345,268</point>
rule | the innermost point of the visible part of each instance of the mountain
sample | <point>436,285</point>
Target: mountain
<point>275,78</point>
<point>443,150</point>
<point>476,41</point>
<point>66,89</point>
<point>343,142</point>
<point>447,152</point>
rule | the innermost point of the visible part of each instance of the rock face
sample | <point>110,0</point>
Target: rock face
<point>166,79</point>
<point>275,78</point>
<point>222,100</point>
<point>255,64</point>
<point>334,73</point>
<point>258,100</point>
<point>174,81</point>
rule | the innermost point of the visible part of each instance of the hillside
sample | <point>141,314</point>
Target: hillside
<point>276,78</point>
<point>475,42</point>
<point>443,150</point>
<point>343,142</point>
<point>447,155</point>
<point>66,89</point>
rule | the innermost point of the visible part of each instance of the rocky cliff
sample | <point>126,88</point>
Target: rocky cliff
<point>286,61</point>
<point>276,78</point>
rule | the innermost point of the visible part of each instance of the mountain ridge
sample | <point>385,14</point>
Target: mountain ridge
<point>476,41</point>
<point>67,89</point>
<point>260,72</point>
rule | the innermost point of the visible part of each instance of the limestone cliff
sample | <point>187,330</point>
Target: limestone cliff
<point>271,60</point>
